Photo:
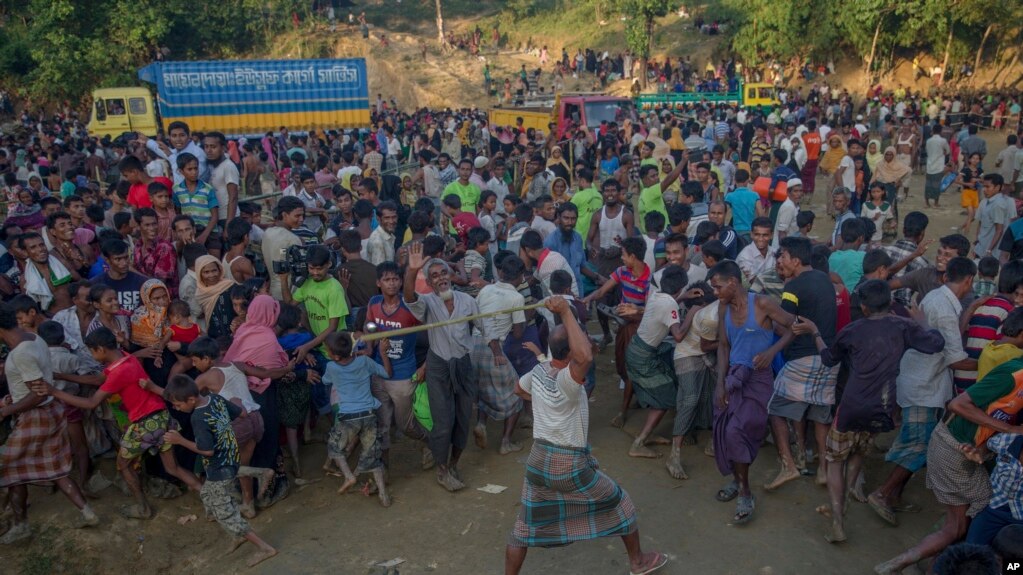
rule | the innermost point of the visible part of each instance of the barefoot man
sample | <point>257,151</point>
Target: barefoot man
<point>746,346</point>
<point>560,507</point>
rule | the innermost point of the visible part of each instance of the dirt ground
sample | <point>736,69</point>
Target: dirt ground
<point>464,533</point>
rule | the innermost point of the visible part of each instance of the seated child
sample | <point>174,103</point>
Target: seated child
<point>215,441</point>
<point>147,413</point>
<point>351,374</point>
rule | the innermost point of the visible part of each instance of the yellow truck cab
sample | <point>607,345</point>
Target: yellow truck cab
<point>119,110</point>
<point>760,94</point>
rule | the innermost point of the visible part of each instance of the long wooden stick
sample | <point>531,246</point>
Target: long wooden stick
<point>382,334</point>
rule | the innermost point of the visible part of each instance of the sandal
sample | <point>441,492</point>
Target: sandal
<point>744,510</point>
<point>656,562</point>
<point>727,493</point>
<point>882,510</point>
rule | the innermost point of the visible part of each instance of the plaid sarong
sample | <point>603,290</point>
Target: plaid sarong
<point>497,396</point>
<point>37,449</point>
<point>807,379</point>
<point>910,447</point>
<point>566,498</point>
<point>954,479</point>
<point>652,373</point>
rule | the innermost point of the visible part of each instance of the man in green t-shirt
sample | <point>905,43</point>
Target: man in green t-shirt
<point>468,192</point>
<point>324,299</point>
<point>587,199</point>
<point>651,198</point>
<point>955,471</point>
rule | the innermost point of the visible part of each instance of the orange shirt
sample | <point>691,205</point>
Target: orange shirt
<point>812,143</point>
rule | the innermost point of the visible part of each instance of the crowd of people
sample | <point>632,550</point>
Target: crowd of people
<point>158,301</point>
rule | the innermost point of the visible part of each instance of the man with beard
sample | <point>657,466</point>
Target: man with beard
<point>448,363</point>
<point>567,242</point>
<point>45,279</point>
<point>224,177</point>
<point>612,224</point>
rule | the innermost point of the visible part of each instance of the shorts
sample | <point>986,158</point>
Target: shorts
<point>146,435</point>
<point>910,447</point>
<point>840,445</point>
<point>797,410</point>
<point>216,498</point>
<point>348,431</point>
<point>969,198</point>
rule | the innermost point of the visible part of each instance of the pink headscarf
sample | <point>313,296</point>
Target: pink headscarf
<point>255,342</point>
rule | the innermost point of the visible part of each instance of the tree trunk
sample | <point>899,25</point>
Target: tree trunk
<point>980,51</point>
<point>948,49</point>
<point>873,52</point>
<point>1012,65</point>
<point>440,25</point>
<point>649,50</point>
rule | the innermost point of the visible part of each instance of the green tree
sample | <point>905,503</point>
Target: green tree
<point>639,28</point>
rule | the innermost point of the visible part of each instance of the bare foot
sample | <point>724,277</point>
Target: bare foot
<point>508,446</point>
<point>784,476</point>
<point>856,492</point>
<point>248,510</point>
<point>447,481</point>
<point>889,567</point>
<point>618,421</point>
<point>648,563</point>
<point>837,532</point>
<point>136,511</point>
<point>688,440</point>
<point>821,480</point>
<point>329,466</point>
<point>260,556</point>
<point>640,450</point>
<point>427,459</point>
<point>674,465</point>
<point>824,510</point>
<point>235,544</point>
<point>266,478</point>
<point>479,433</point>
<point>385,499</point>
<point>349,482</point>
<point>709,450</point>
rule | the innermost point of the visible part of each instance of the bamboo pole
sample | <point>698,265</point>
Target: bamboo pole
<point>384,334</point>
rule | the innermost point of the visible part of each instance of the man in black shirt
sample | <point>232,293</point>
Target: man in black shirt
<point>805,388</point>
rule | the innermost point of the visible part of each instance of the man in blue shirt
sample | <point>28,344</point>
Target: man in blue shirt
<point>567,242</point>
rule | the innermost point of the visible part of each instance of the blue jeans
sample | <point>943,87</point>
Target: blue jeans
<point>988,523</point>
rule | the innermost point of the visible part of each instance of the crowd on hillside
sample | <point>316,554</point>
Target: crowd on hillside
<point>161,305</point>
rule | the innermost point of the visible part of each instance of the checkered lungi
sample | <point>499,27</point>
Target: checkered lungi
<point>954,479</point>
<point>910,447</point>
<point>807,379</point>
<point>652,373</point>
<point>497,396</point>
<point>37,449</point>
<point>566,498</point>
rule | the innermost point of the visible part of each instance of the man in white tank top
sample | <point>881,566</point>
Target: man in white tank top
<point>608,227</point>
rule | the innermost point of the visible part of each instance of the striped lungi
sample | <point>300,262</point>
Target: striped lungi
<point>910,447</point>
<point>37,449</point>
<point>694,384</point>
<point>652,373</point>
<point>497,396</point>
<point>566,498</point>
<point>954,479</point>
<point>807,379</point>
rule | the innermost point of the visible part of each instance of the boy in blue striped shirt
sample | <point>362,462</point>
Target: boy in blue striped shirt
<point>195,198</point>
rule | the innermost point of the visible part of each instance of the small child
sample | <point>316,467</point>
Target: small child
<point>295,394</point>
<point>351,375</point>
<point>149,419</point>
<point>877,210</point>
<point>477,265</point>
<point>182,331</point>
<point>215,441</point>
<point>160,197</point>
<point>1009,346</point>
<point>987,272</point>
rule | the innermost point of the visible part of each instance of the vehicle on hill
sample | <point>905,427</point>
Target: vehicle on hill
<point>566,111</point>
<point>749,95</point>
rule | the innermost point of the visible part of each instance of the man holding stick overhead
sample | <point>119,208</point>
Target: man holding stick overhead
<point>565,496</point>
<point>450,383</point>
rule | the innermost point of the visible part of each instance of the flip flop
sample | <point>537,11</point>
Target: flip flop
<point>660,560</point>
<point>907,508</point>
<point>744,510</point>
<point>882,510</point>
<point>727,493</point>
<point>610,312</point>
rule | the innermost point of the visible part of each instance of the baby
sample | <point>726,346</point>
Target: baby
<point>182,332</point>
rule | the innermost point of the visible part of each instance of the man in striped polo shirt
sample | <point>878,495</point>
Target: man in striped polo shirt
<point>195,197</point>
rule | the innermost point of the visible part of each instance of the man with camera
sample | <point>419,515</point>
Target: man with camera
<point>289,215</point>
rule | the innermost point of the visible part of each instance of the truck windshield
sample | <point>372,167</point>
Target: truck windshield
<point>609,111</point>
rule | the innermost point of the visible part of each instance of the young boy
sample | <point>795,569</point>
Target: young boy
<point>1009,346</point>
<point>351,375</point>
<point>133,172</point>
<point>323,296</point>
<point>147,412</point>
<point>215,441</point>
<point>872,349</point>
<point>159,196</point>
<point>987,273</point>
<point>194,197</point>
<point>804,221</point>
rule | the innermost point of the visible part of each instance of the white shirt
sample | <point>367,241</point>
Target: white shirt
<point>551,263</point>
<point>495,297</point>
<point>221,176</point>
<point>660,313</point>
<point>925,380</point>
<point>543,226</point>
<point>786,221</point>
<point>380,247</point>
<point>849,175</point>
<point>937,148</point>
<point>191,148</point>
<point>501,190</point>
<point>703,326</point>
<point>753,263</point>
<point>561,412</point>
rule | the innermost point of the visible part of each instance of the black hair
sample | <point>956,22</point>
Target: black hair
<point>476,237</point>
<point>541,201</point>
<point>370,184</point>
<point>677,239</point>
<point>185,158</point>
<point>967,558</point>
<point>673,279</point>
<point>433,246</point>
<point>130,163</point>
<point>52,219</point>
<point>852,230</point>
<point>524,212</point>
<point>100,338</point>
<point>145,213</point>
<point>805,218</point>
<point>179,307</point>
<point>204,346</point>
<point>762,222</point>
<point>121,219</point>
<point>798,248</point>
<point>960,268</point>
<point>705,231</point>
<point>95,213</point>
<point>645,169</point>
<point>177,218</point>
<point>1010,277</point>
<point>876,259</point>
<point>72,199</point>
<point>288,204</point>
<point>340,344</point>
<point>1008,544</point>
<point>419,222</point>
<point>914,224</point>
<point>819,258</point>
<point>869,227</point>
<point>156,187</point>
<point>424,205</point>
<point>192,252</point>
<point>560,283</point>
<point>317,255</point>
<point>958,242</point>
<point>51,332</point>
<point>988,267</point>
<point>112,248</point>
<point>1012,325</point>
<point>386,206</point>
<point>178,125</point>
<point>726,270</point>
<point>237,231</point>
<point>570,207</point>
<point>23,303</point>
<point>611,182</point>
<point>654,221</point>
<point>714,250</point>
<point>679,213</point>
<point>181,388</point>
<point>635,247</point>
<point>289,317</point>
<point>487,194</point>
<point>875,295</point>
<point>388,267</point>
<point>741,176</point>
<point>694,190</point>
<point>363,210</point>
<point>532,240</point>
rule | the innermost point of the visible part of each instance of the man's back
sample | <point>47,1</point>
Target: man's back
<point>561,412</point>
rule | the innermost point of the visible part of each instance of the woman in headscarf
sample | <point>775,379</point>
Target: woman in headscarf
<point>255,347</point>
<point>557,164</point>
<point>212,291</point>
<point>873,154</point>
<point>148,326</point>
<point>892,173</point>
<point>26,213</point>
<point>833,157</point>
<point>559,191</point>
<point>35,185</point>
<point>676,144</point>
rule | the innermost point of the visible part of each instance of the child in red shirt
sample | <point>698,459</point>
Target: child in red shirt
<point>146,409</point>
<point>182,331</point>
